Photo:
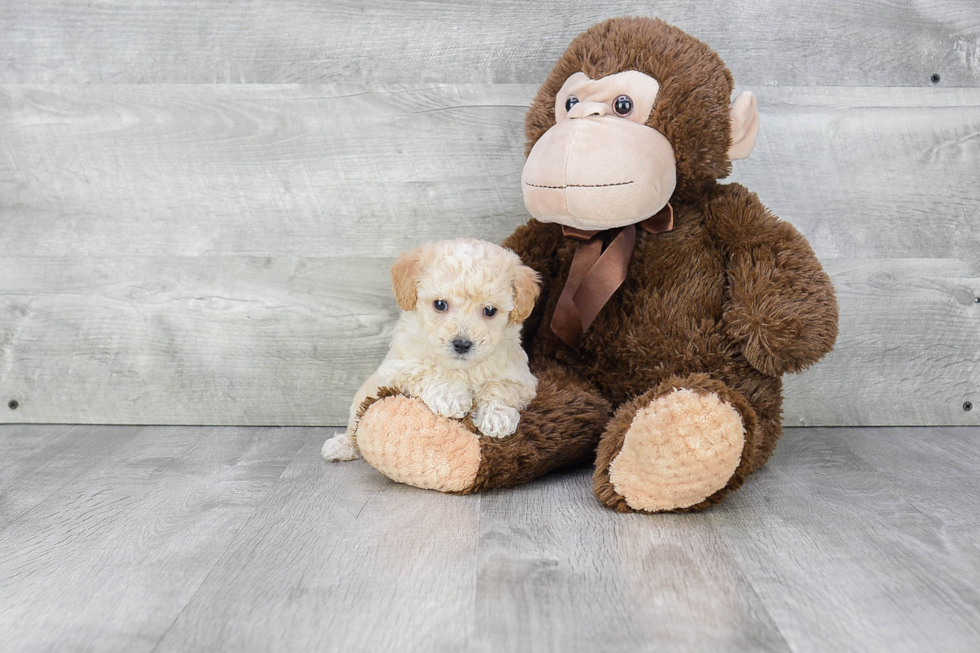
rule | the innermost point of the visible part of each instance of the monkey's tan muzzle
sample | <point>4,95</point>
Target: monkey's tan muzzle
<point>598,172</point>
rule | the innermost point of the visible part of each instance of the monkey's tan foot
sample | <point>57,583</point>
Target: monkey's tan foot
<point>403,439</point>
<point>672,451</point>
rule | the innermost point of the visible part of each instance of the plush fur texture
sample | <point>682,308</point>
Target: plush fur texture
<point>632,164</point>
<point>402,439</point>
<point>560,428</point>
<point>692,108</point>
<point>457,343</point>
<point>445,290</point>
<point>419,448</point>
<point>678,449</point>
<point>638,413</point>
<point>711,313</point>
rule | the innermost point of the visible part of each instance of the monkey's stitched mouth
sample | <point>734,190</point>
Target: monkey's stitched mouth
<point>620,183</point>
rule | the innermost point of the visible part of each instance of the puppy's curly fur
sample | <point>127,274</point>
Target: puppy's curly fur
<point>457,343</point>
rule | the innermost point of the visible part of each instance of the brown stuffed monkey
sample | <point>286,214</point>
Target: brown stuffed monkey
<point>671,304</point>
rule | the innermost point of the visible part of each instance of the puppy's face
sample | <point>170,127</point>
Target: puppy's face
<point>467,294</point>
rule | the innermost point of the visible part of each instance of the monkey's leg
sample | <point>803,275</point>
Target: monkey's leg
<point>681,446</point>
<point>403,440</point>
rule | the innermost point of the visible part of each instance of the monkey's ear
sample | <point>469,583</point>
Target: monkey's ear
<point>405,277</point>
<point>745,125</point>
<point>526,291</point>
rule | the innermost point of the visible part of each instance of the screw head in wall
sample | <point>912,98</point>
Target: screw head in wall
<point>967,406</point>
<point>13,404</point>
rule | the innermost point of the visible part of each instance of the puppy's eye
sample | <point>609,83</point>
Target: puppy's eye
<point>623,105</point>
<point>440,305</point>
<point>570,102</point>
<point>489,311</point>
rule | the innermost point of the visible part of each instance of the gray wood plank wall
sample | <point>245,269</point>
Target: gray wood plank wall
<point>199,201</point>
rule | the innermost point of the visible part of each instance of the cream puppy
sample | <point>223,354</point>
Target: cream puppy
<point>457,344</point>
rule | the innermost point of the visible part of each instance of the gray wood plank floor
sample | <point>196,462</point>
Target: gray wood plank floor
<point>243,539</point>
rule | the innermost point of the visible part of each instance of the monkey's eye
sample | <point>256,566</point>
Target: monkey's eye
<point>440,305</point>
<point>489,311</point>
<point>570,102</point>
<point>623,105</point>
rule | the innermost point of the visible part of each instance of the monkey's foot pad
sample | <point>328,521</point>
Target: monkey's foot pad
<point>404,440</point>
<point>680,449</point>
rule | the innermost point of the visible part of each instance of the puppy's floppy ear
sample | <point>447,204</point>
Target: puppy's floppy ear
<point>526,290</point>
<point>405,277</point>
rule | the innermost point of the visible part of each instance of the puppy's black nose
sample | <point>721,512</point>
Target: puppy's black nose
<point>462,346</point>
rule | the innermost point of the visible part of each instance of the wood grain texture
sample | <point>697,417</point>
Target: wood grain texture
<point>218,254</point>
<point>842,533</point>
<point>559,572</point>
<point>908,351</point>
<point>871,172</point>
<point>243,539</point>
<point>765,42</point>
<point>241,340</point>
<point>197,340</point>
<point>40,461</point>
<point>340,558</point>
<point>144,170</point>
<point>151,170</point>
<point>941,499</point>
<point>107,561</point>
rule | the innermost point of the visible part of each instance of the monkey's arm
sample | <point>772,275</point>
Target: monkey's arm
<point>781,305</point>
<point>537,245</point>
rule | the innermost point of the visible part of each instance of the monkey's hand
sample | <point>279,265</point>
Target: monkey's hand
<point>781,305</point>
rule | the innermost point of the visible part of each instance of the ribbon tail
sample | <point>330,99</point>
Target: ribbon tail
<point>592,279</point>
<point>566,322</point>
<point>595,275</point>
<point>605,277</point>
<point>659,222</point>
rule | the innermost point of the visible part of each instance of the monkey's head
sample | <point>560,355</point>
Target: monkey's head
<point>634,111</point>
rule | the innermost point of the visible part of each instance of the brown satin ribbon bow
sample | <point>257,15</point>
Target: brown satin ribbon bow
<point>596,273</point>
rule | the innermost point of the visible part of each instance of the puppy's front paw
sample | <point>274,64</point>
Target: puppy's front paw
<point>496,420</point>
<point>340,447</point>
<point>448,400</point>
